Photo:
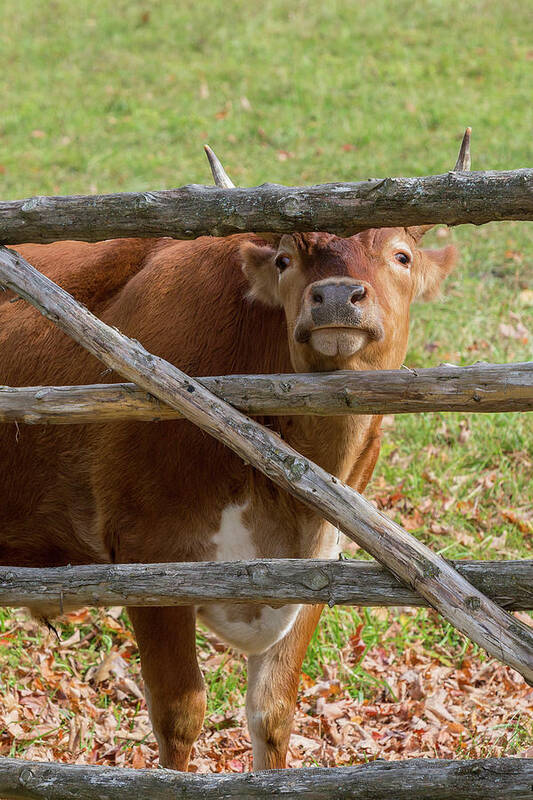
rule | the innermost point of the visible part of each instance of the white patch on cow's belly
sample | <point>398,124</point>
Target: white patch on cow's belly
<point>250,636</point>
<point>249,628</point>
<point>233,540</point>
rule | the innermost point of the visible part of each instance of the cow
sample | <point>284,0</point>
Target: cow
<point>168,492</point>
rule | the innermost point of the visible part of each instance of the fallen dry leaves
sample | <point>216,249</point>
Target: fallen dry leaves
<point>80,700</point>
<point>53,707</point>
<point>483,517</point>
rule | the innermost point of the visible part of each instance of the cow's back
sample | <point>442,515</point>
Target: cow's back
<point>74,494</point>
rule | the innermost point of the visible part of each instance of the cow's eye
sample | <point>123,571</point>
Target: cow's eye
<point>403,258</point>
<point>282,262</point>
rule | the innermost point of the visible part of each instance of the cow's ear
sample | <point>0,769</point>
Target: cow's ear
<point>258,264</point>
<point>432,267</point>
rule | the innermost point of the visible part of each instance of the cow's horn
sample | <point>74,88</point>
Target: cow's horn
<point>463,159</point>
<point>462,165</point>
<point>219,173</point>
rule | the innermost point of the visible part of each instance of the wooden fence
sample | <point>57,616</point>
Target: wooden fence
<point>478,388</point>
<point>472,596</point>
<point>425,779</point>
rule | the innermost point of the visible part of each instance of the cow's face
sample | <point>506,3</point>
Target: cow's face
<point>346,301</point>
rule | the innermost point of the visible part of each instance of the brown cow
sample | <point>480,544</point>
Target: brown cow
<point>137,492</point>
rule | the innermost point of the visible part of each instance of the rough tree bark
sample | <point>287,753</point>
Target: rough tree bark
<point>275,582</point>
<point>471,612</point>
<point>477,388</point>
<point>453,198</point>
<point>422,778</point>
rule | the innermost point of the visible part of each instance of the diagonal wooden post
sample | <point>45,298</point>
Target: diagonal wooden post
<point>470,611</point>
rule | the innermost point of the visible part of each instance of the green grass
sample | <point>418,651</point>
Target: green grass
<point>113,94</point>
<point>108,96</point>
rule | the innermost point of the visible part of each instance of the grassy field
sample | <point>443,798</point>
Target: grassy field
<point>121,95</point>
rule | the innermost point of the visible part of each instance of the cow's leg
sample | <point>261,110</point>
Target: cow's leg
<point>273,678</point>
<point>175,689</point>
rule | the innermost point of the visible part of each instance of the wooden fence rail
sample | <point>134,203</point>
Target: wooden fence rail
<point>476,388</point>
<point>453,198</point>
<point>425,779</point>
<point>274,581</point>
<point>470,611</point>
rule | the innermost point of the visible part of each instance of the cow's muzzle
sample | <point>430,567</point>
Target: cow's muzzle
<point>336,304</point>
<point>338,317</point>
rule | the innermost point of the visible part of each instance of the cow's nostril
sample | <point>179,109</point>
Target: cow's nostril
<point>318,297</point>
<point>358,294</point>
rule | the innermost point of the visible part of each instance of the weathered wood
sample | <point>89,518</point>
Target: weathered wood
<point>453,198</point>
<point>274,581</point>
<point>471,612</point>
<point>477,388</point>
<point>416,779</point>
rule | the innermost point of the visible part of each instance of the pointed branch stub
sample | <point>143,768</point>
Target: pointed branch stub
<point>219,173</point>
<point>463,159</point>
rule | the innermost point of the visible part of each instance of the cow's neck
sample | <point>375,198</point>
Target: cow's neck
<point>334,443</point>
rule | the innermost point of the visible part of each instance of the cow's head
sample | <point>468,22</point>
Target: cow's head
<point>346,301</point>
